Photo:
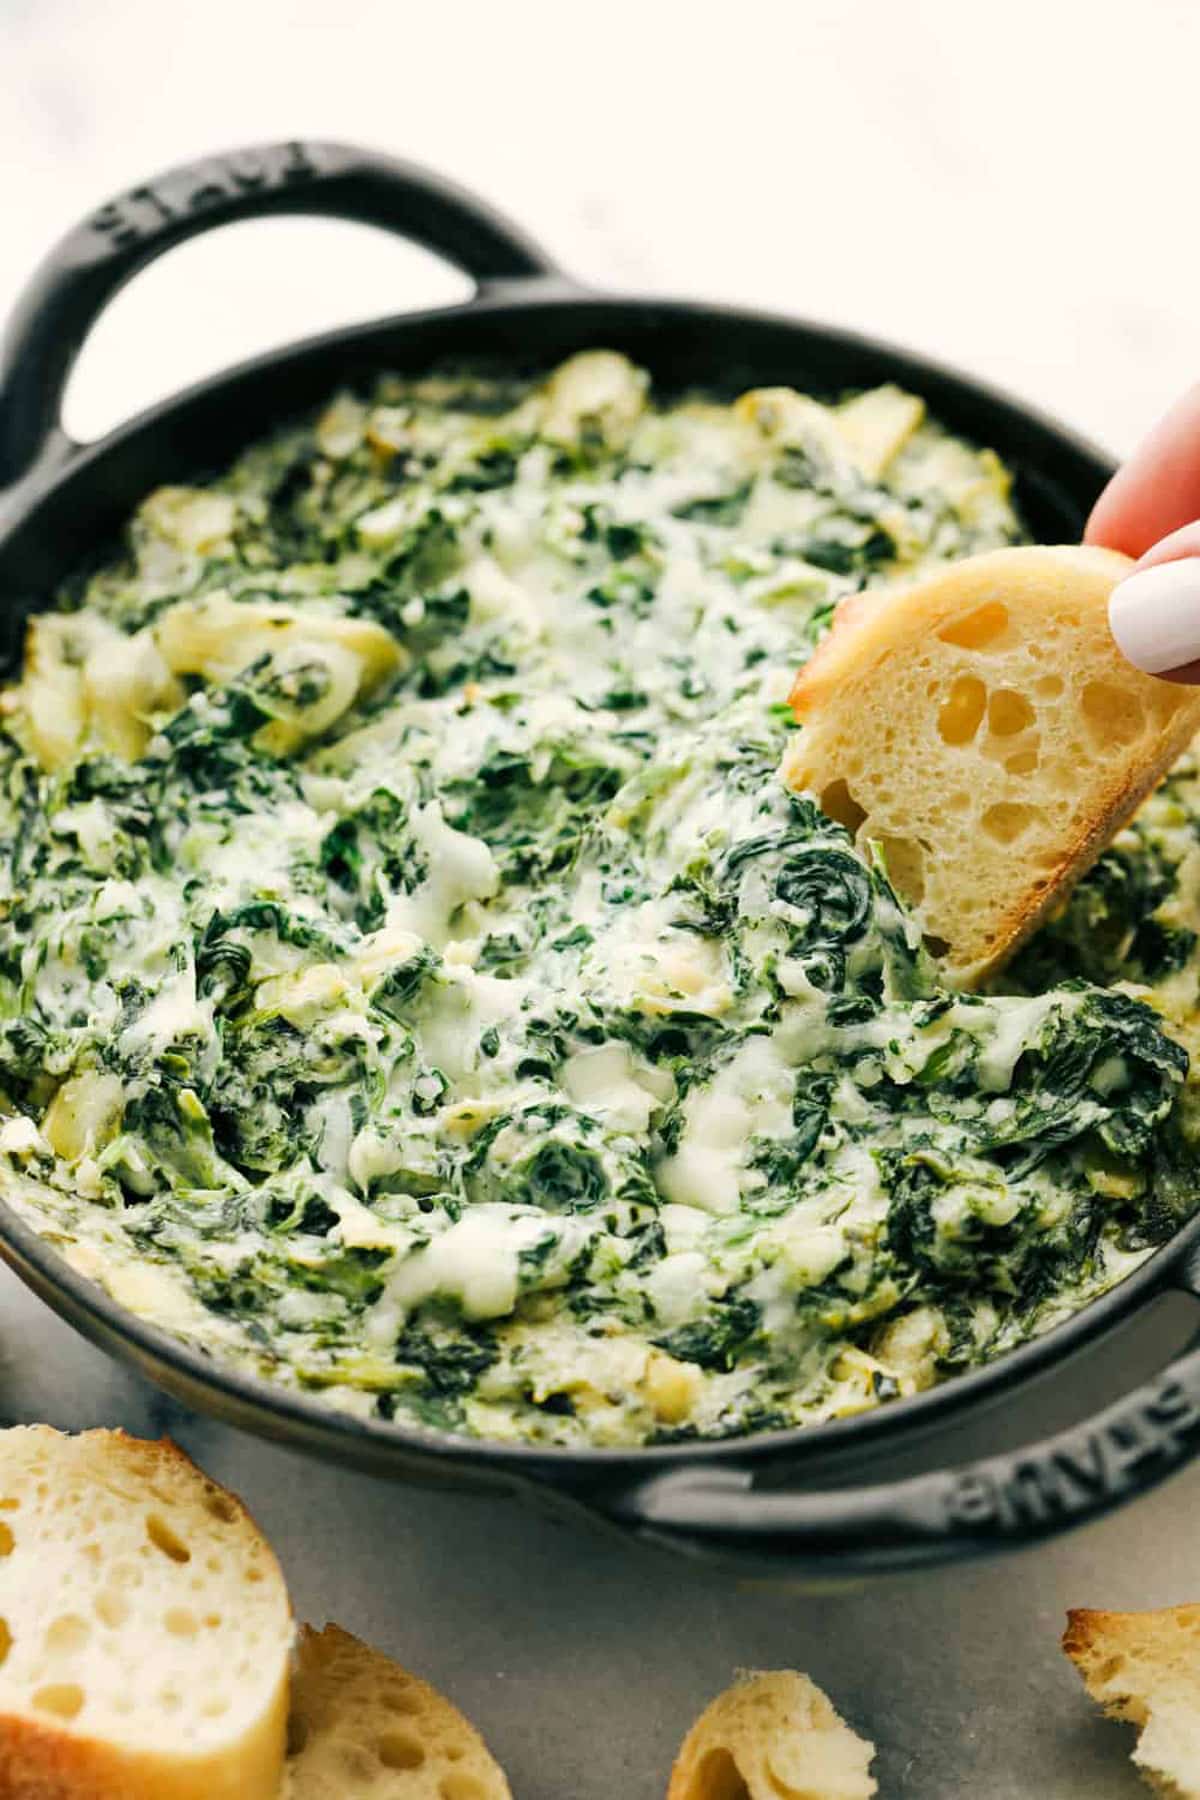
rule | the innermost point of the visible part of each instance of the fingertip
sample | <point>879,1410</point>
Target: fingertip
<point>1100,530</point>
<point>1154,616</point>
<point>1187,676</point>
<point>1121,519</point>
<point>1175,547</point>
<point>1157,490</point>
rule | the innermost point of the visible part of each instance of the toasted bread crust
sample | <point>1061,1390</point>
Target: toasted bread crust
<point>125,1490</point>
<point>771,1734</point>
<point>40,1763</point>
<point>983,722</point>
<point>358,1717</point>
<point>1144,1668</point>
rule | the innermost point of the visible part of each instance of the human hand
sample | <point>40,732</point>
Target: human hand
<point>1151,510</point>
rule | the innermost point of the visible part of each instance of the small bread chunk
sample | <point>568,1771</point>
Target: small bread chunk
<point>772,1736</point>
<point>361,1726</point>
<point>1145,1667</point>
<point>145,1631</point>
<point>982,727</point>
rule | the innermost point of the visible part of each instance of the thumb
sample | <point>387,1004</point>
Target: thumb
<point>1154,614</point>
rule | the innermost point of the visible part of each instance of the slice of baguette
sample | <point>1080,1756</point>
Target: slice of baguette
<point>772,1736</point>
<point>360,1726</point>
<point>145,1631</point>
<point>983,728</point>
<point>1145,1667</point>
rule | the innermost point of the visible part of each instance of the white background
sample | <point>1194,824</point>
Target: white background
<point>1011,188</point>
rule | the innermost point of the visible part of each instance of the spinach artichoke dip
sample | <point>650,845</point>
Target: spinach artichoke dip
<point>419,985</point>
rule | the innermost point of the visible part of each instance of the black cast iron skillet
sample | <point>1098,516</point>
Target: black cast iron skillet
<point>765,1502</point>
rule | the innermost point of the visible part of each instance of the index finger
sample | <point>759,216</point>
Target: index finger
<point>1158,489</point>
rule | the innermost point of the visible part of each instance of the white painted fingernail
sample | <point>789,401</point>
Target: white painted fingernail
<point>1155,615</point>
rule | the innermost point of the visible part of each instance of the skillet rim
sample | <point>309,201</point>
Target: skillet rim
<point>277,1411</point>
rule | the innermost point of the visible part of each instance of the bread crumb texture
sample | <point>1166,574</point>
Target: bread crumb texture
<point>145,1630</point>
<point>362,1727</point>
<point>772,1736</point>
<point>1144,1667</point>
<point>983,730</point>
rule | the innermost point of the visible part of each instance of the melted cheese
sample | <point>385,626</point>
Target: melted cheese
<point>417,983</point>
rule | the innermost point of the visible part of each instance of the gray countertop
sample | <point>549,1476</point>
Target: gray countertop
<point>1003,190</point>
<point>583,1660</point>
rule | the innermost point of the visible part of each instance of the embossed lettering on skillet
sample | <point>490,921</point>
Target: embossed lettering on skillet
<point>143,211</point>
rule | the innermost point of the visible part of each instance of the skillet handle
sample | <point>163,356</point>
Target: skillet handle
<point>730,1516</point>
<point>85,269</point>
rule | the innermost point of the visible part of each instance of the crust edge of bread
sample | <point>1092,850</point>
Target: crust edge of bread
<point>870,626</point>
<point>721,1729</point>
<point>870,614</point>
<point>1115,806</point>
<point>52,1762</point>
<point>44,1763</point>
<point>318,1650</point>
<point>1143,1668</point>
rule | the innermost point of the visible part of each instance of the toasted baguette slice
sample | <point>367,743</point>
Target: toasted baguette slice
<point>361,1726</point>
<point>1145,1667</point>
<point>145,1631</point>
<point>768,1736</point>
<point>982,726</point>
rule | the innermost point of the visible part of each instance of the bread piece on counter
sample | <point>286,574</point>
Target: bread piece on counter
<point>361,1727</point>
<point>145,1630</point>
<point>983,728</point>
<point>1145,1667</point>
<point>769,1736</point>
